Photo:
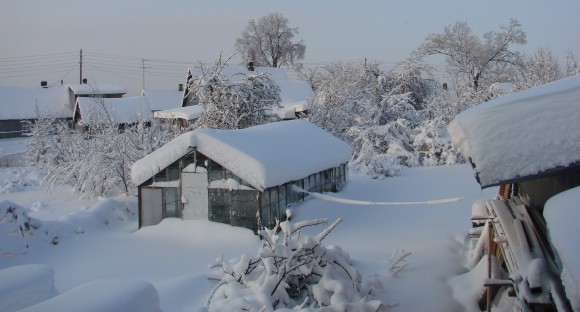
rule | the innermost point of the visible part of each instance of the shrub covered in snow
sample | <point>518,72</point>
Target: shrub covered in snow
<point>17,229</point>
<point>293,271</point>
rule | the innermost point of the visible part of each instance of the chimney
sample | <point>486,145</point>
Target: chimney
<point>180,87</point>
<point>61,82</point>
<point>85,80</point>
<point>251,66</point>
<point>44,84</point>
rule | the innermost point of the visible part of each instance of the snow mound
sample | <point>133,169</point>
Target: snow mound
<point>104,295</point>
<point>562,215</point>
<point>25,285</point>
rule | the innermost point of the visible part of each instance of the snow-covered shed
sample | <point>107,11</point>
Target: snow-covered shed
<point>20,106</point>
<point>233,176</point>
<point>528,143</point>
<point>531,138</point>
<point>182,116</point>
<point>122,111</point>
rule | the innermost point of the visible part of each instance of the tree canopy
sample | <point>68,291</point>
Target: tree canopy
<point>269,42</point>
<point>475,59</point>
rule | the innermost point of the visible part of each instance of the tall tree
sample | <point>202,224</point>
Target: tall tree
<point>268,42</point>
<point>473,58</point>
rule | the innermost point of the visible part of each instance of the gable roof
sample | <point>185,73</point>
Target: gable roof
<point>122,110</point>
<point>519,136</point>
<point>263,156</point>
<point>17,103</point>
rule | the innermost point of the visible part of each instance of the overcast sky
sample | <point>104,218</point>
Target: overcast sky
<point>41,39</point>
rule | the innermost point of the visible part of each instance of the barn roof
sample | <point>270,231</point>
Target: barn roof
<point>122,110</point>
<point>263,156</point>
<point>516,137</point>
<point>17,103</point>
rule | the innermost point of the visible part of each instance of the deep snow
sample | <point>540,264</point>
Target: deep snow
<point>174,255</point>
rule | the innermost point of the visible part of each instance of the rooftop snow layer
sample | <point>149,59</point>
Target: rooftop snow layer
<point>18,103</point>
<point>521,135</point>
<point>124,110</point>
<point>263,156</point>
<point>162,99</point>
<point>187,113</point>
<point>91,89</point>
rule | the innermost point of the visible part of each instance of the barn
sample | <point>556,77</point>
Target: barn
<point>239,177</point>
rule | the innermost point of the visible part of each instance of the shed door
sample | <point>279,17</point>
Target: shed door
<point>151,206</point>
<point>195,196</point>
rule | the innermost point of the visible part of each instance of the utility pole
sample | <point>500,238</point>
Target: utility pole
<point>81,67</point>
<point>143,67</point>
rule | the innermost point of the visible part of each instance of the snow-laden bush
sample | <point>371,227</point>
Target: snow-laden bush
<point>17,230</point>
<point>293,271</point>
<point>233,102</point>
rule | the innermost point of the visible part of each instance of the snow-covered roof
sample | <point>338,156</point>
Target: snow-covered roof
<point>162,99</point>
<point>91,89</point>
<point>263,156</point>
<point>27,103</point>
<point>187,113</point>
<point>293,93</point>
<point>124,110</point>
<point>521,135</point>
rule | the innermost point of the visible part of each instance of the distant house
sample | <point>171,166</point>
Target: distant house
<point>528,144</point>
<point>238,177</point>
<point>121,111</point>
<point>21,106</point>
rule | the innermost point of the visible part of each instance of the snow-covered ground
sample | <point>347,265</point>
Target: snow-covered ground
<point>99,245</point>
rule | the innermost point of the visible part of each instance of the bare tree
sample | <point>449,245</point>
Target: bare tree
<point>268,42</point>
<point>538,69</point>
<point>473,58</point>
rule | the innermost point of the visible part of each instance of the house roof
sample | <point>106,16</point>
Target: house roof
<point>18,103</point>
<point>123,110</point>
<point>90,89</point>
<point>263,156</point>
<point>523,135</point>
<point>162,99</point>
<point>187,113</point>
<point>293,93</point>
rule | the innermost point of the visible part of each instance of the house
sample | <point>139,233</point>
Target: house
<point>21,106</point>
<point>528,144</point>
<point>239,177</point>
<point>121,111</point>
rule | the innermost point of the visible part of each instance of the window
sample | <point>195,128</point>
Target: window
<point>170,203</point>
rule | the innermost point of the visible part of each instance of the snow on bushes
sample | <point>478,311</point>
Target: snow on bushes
<point>293,271</point>
<point>17,230</point>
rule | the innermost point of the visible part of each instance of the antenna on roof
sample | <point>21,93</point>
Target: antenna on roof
<point>81,67</point>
